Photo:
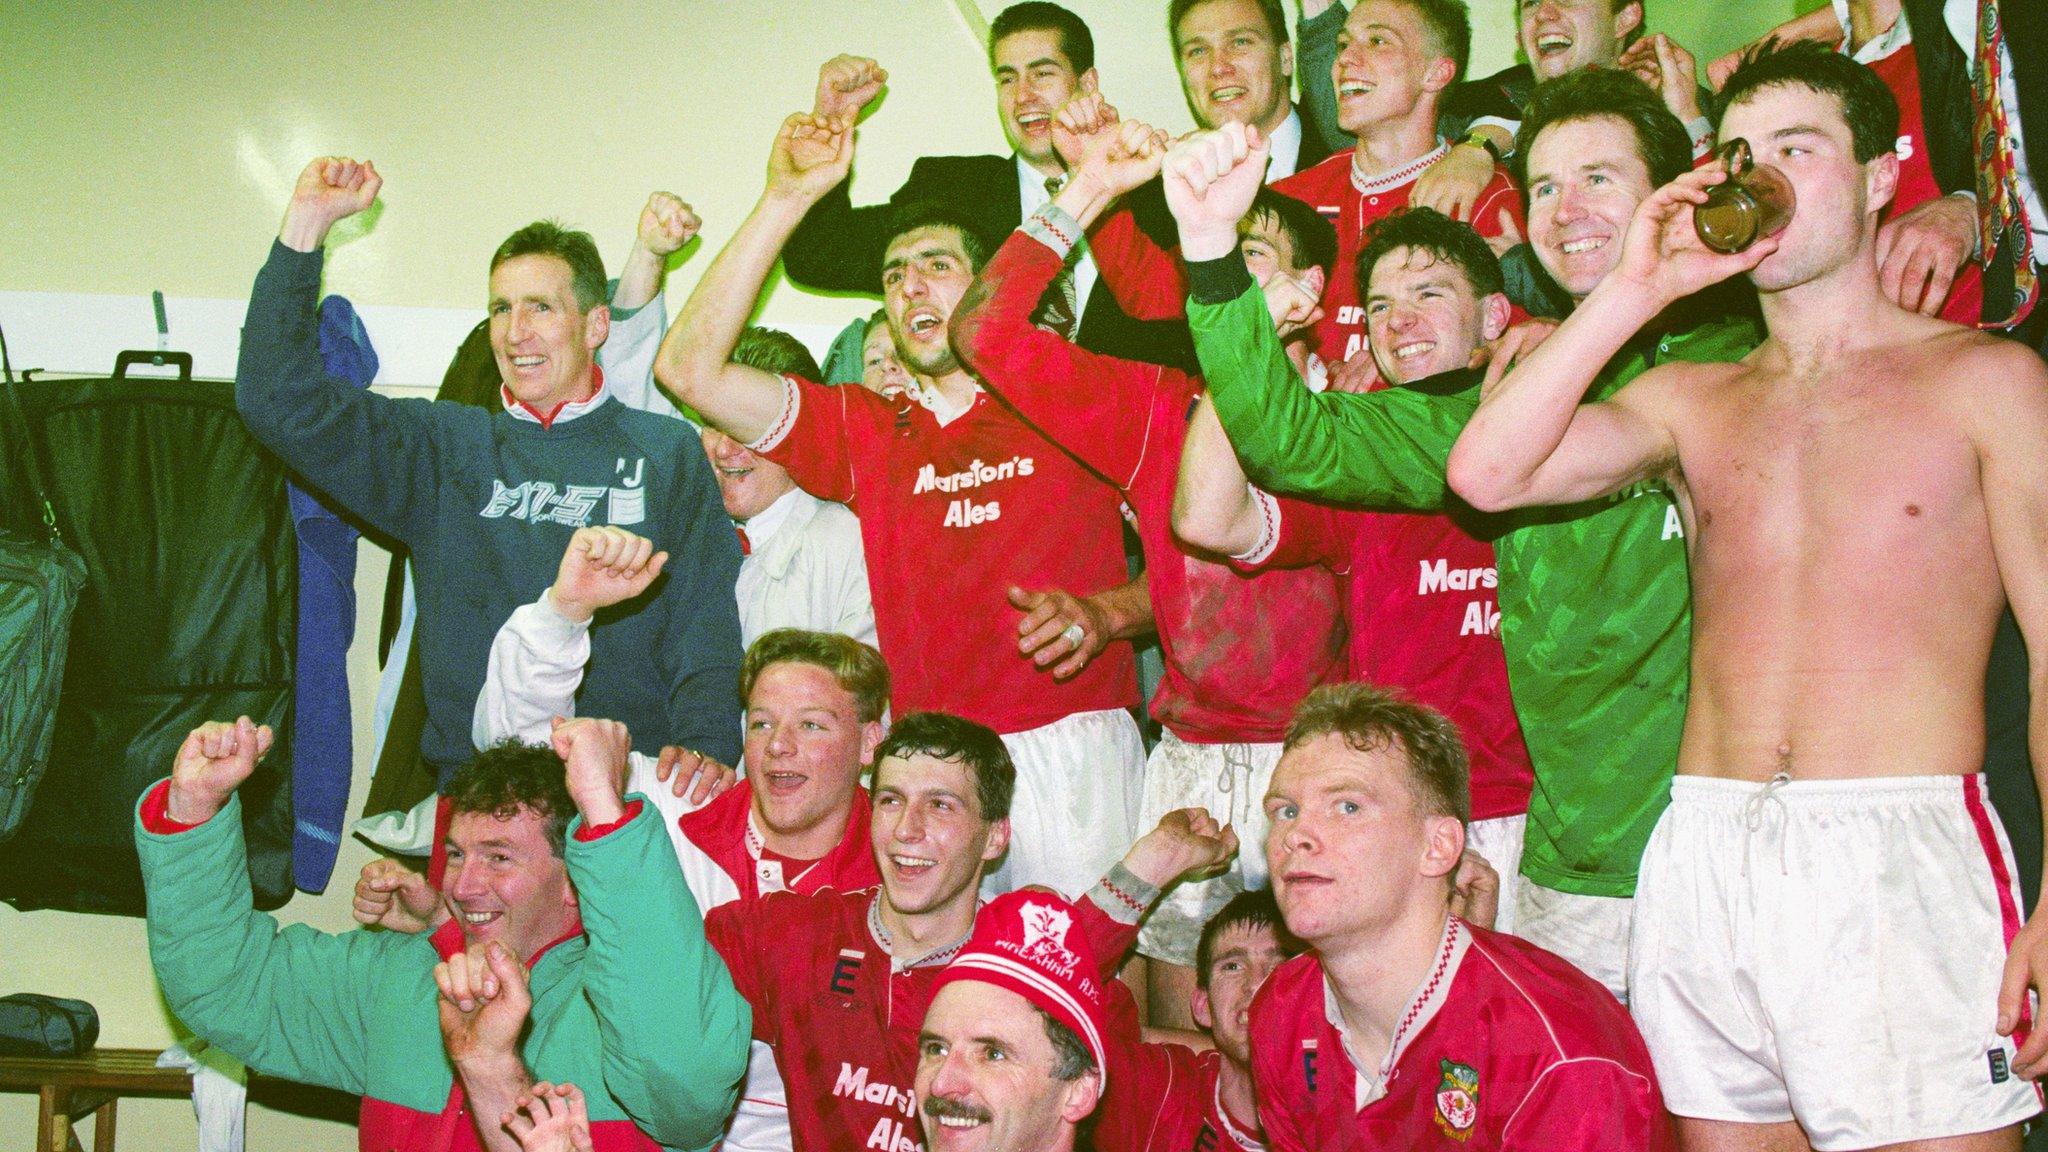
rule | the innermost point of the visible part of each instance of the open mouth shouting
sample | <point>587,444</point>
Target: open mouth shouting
<point>920,323</point>
<point>1554,49</point>
<point>908,867</point>
<point>1034,123</point>
<point>1350,89</point>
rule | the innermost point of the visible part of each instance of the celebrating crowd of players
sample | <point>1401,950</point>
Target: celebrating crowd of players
<point>1573,636</point>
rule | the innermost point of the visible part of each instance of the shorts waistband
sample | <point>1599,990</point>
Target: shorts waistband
<point>1713,793</point>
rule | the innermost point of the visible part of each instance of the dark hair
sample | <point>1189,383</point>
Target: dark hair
<point>1370,719</point>
<point>1253,909</point>
<point>880,319</point>
<point>928,214</point>
<point>1868,106</point>
<point>1450,25</point>
<point>943,736</point>
<point>1276,19</point>
<point>1076,43</point>
<point>576,249</point>
<point>773,350</point>
<point>505,778</point>
<point>857,667</point>
<point>1070,1057</point>
<point>1662,143</point>
<point>1442,238</point>
<point>1308,232</point>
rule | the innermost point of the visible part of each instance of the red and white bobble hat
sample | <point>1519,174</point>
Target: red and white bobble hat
<point>1026,942</point>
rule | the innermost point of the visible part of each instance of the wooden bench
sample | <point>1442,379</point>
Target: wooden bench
<point>72,1086</point>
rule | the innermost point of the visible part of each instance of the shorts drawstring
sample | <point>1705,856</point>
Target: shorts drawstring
<point>1236,758</point>
<point>1753,817</point>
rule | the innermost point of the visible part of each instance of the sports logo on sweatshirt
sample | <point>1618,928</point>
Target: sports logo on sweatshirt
<point>545,502</point>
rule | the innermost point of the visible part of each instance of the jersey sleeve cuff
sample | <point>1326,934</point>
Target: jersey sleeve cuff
<point>1511,127</point>
<point>1122,896</point>
<point>587,832</point>
<point>1054,228</point>
<point>1269,530</point>
<point>155,811</point>
<point>784,423</point>
<point>1218,281</point>
<point>1701,131</point>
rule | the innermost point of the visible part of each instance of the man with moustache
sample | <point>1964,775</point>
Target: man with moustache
<point>839,982</point>
<point>1606,576</point>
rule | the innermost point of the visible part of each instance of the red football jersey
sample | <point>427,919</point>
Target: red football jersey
<point>1164,1098</point>
<point>952,514</point>
<point>1354,204</point>
<point>1506,1047</point>
<point>1240,650</point>
<point>1424,619</point>
<point>843,1020</point>
<point>723,832</point>
<point>1900,71</point>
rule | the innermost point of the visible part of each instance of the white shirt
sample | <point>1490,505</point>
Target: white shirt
<point>1031,196</point>
<point>807,569</point>
<point>1286,148</point>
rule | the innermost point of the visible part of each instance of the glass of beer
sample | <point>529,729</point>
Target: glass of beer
<point>1754,202</point>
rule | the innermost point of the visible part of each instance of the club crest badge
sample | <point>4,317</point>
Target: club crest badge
<point>1457,1100</point>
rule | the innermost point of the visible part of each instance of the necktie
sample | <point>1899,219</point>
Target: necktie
<point>2001,212</point>
<point>746,545</point>
<point>1059,310</point>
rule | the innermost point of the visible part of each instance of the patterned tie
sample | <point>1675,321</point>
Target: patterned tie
<point>2001,212</point>
<point>1059,310</point>
<point>746,545</point>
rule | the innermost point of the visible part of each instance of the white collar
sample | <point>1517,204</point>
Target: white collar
<point>934,402</point>
<point>1031,188</point>
<point>1429,997</point>
<point>763,526</point>
<point>1286,148</point>
<point>768,873</point>
<point>1405,174</point>
<point>563,413</point>
<point>1878,47</point>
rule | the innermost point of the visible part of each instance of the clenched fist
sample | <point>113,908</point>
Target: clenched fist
<point>602,567</point>
<point>594,754</point>
<point>1188,842</point>
<point>845,86</point>
<point>1211,179</point>
<point>211,764</point>
<point>389,895</point>
<point>667,223</point>
<point>331,188</point>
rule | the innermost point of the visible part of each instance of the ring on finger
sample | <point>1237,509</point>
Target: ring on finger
<point>1074,634</point>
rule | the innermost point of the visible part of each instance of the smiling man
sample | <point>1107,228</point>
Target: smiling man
<point>1605,576</point>
<point>1404,1026</point>
<point>1828,885</point>
<point>839,981</point>
<point>551,866</point>
<point>486,501</point>
<point>995,558</point>
<point>1040,56</point>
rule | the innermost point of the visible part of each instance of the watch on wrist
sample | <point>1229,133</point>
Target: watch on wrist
<point>1478,139</point>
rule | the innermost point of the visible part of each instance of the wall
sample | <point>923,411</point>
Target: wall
<point>152,146</point>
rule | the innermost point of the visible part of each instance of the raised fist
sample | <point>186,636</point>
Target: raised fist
<point>1294,301</point>
<point>811,156</point>
<point>1091,139</point>
<point>212,762</point>
<point>484,1002</point>
<point>1187,843</point>
<point>389,895</point>
<point>594,754</point>
<point>1211,179</point>
<point>845,86</point>
<point>602,567</point>
<point>331,188</point>
<point>667,223</point>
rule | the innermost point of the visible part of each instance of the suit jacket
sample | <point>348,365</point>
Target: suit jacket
<point>838,248</point>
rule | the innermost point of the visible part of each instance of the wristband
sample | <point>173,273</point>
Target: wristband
<point>1482,140</point>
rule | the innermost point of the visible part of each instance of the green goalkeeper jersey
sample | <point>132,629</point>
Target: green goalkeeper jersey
<point>1594,600</point>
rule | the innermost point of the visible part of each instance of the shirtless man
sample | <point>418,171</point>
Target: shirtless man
<point>1829,951</point>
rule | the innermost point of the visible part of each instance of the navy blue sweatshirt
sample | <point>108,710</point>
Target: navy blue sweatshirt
<point>487,504</point>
